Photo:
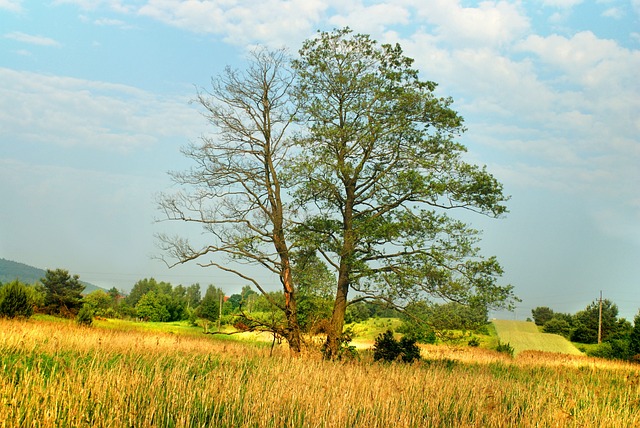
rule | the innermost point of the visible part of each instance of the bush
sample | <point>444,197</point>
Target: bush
<point>15,300</point>
<point>474,342</point>
<point>505,348</point>
<point>387,348</point>
<point>85,316</point>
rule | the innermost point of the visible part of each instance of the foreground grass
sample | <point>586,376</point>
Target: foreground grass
<point>523,336</point>
<point>54,374</point>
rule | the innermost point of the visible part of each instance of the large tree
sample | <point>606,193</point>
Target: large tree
<point>63,292</point>
<point>380,171</point>
<point>234,191</point>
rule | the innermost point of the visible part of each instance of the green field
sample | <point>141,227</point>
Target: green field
<point>525,336</point>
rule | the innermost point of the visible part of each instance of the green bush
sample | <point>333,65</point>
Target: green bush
<point>505,348</point>
<point>85,316</point>
<point>387,348</point>
<point>15,300</point>
<point>474,342</point>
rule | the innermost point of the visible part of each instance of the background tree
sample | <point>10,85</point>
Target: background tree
<point>98,302</point>
<point>209,308</point>
<point>586,322</point>
<point>634,337</point>
<point>379,172</point>
<point>557,325</point>
<point>15,300</point>
<point>541,315</point>
<point>63,292</point>
<point>234,189</point>
<point>152,307</point>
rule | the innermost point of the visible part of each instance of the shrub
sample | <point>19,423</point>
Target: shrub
<point>474,342</point>
<point>505,348</point>
<point>85,316</point>
<point>387,348</point>
<point>15,301</point>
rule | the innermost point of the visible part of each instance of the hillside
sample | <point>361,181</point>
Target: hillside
<point>525,336</point>
<point>10,270</point>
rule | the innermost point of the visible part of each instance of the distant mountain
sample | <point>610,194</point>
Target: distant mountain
<point>10,270</point>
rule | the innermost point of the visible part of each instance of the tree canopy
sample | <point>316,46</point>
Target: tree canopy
<point>365,186</point>
<point>379,172</point>
<point>63,292</point>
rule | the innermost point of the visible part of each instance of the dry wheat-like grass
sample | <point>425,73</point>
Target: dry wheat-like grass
<point>54,374</point>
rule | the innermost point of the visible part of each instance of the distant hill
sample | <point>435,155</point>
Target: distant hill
<point>524,336</point>
<point>10,270</point>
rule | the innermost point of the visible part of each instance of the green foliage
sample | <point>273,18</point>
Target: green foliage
<point>152,307</point>
<point>209,308</point>
<point>474,342</point>
<point>99,302</point>
<point>379,169</point>
<point>63,292</point>
<point>557,326</point>
<point>15,300</point>
<point>421,319</point>
<point>387,348</point>
<point>505,348</point>
<point>586,323</point>
<point>85,316</point>
<point>634,337</point>
<point>541,315</point>
<point>614,349</point>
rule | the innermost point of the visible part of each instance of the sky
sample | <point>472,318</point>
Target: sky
<point>95,104</point>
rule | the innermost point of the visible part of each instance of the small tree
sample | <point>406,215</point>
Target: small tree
<point>541,315</point>
<point>15,300</point>
<point>209,308</point>
<point>387,348</point>
<point>85,316</point>
<point>63,292</point>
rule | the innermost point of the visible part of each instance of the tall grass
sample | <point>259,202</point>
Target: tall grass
<point>61,375</point>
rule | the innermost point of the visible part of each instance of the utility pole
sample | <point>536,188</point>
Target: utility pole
<point>600,320</point>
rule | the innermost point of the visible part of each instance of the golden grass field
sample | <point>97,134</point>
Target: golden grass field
<point>55,374</point>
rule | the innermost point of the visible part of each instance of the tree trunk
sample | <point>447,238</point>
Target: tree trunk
<point>293,335</point>
<point>334,335</point>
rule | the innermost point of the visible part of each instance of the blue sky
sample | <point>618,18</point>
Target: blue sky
<point>94,107</point>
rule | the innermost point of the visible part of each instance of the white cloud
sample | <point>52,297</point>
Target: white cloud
<point>562,4</point>
<point>31,39</point>
<point>114,5</point>
<point>241,22</point>
<point>370,19</point>
<point>74,112</point>
<point>11,5</point>
<point>489,24</point>
<point>613,12</point>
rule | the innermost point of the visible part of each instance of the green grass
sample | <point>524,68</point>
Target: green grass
<point>370,329</point>
<point>525,336</point>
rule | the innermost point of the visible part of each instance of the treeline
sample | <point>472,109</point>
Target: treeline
<point>619,338</point>
<point>59,293</point>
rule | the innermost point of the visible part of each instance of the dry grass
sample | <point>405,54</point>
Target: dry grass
<point>54,374</point>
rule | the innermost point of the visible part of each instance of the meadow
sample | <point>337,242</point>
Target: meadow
<point>55,374</point>
<point>524,336</point>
